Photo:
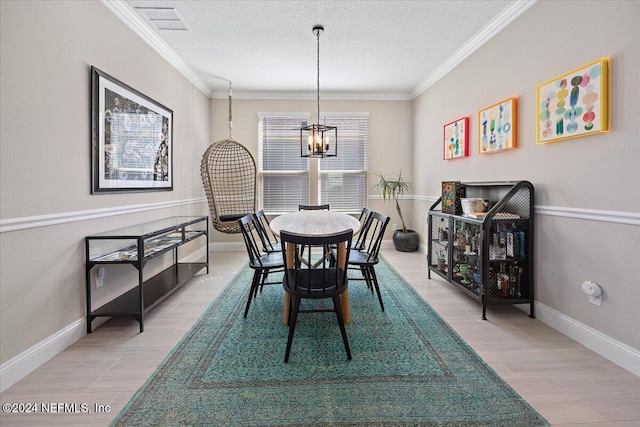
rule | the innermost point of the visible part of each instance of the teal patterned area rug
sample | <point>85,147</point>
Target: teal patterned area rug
<point>409,368</point>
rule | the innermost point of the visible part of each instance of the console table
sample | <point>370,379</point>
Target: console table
<point>136,245</point>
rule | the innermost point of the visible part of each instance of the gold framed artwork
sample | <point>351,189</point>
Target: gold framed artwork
<point>574,104</point>
<point>497,127</point>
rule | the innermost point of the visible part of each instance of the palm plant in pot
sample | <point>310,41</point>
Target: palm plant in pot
<point>393,187</point>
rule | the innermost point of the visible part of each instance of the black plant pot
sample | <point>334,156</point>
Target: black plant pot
<point>405,241</point>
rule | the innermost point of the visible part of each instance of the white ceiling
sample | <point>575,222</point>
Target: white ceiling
<point>369,49</point>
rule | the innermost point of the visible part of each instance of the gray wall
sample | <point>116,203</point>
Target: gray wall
<point>593,173</point>
<point>46,53</point>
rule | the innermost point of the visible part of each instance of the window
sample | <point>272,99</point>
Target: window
<point>283,174</point>
<point>284,177</point>
<point>342,180</point>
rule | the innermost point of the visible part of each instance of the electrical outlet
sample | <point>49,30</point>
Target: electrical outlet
<point>394,227</point>
<point>100,275</point>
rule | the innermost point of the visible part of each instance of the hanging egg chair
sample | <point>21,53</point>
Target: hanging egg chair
<point>228,173</point>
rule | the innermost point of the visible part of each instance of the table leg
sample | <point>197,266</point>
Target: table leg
<point>346,310</point>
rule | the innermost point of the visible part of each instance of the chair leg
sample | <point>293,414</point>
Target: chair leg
<point>367,277</point>
<point>293,317</point>
<point>375,282</point>
<point>254,287</point>
<point>337,306</point>
<point>265,273</point>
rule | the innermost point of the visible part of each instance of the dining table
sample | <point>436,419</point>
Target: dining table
<point>316,223</point>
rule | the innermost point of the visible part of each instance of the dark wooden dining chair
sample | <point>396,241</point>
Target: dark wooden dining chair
<point>262,264</point>
<point>313,207</point>
<point>269,240</point>
<point>365,258</point>
<point>326,280</point>
<point>364,221</point>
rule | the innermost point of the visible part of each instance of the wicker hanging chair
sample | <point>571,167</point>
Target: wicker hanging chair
<point>228,173</point>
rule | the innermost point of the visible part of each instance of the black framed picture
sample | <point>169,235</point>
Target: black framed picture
<point>132,139</point>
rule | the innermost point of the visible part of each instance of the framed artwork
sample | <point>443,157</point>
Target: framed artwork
<point>456,139</point>
<point>132,139</point>
<point>451,194</point>
<point>574,104</point>
<point>497,127</point>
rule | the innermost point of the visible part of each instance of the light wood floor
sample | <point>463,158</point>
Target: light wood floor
<point>567,383</point>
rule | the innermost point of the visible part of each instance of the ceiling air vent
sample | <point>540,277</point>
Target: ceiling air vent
<point>163,18</point>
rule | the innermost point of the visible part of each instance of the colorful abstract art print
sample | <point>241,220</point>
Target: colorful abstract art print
<point>574,104</point>
<point>456,139</point>
<point>497,127</point>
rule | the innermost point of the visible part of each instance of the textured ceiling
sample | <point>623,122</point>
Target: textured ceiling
<point>383,47</point>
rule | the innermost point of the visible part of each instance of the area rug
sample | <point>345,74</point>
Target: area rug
<point>409,368</point>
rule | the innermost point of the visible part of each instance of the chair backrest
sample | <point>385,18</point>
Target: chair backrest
<point>321,274</point>
<point>373,232</point>
<point>248,227</point>
<point>313,207</point>
<point>228,173</point>
<point>267,237</point>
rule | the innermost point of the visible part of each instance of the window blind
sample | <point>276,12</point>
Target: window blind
<point>284,177</point>
<point>342,180</point>
<point>283,174</point>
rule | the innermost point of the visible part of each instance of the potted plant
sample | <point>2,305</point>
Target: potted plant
<point>392,187</point>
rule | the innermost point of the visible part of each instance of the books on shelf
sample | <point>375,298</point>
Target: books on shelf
<point>506,215</point>
<point>477,215</point>
<point>498,215</point>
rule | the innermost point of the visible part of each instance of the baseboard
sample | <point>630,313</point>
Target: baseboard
<point>607,347</point>
<point>619,353</point>
<point>23,364</point>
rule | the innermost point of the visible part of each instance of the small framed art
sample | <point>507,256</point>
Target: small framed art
<point>456,139</point>
<point>132,139</point>
<point>574,104</point>
<point>451,194</point>
<point>497,127</point>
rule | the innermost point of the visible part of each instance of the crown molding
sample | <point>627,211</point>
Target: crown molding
<point>308,95</point>
<point>127,15</point>
<point>504,18</point>
<point>133,21</point>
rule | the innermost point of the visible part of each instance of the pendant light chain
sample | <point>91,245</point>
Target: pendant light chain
<point>318,68</point>
<point>230,112</point>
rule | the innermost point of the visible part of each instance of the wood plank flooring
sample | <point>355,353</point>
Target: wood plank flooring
<point>567,383</point>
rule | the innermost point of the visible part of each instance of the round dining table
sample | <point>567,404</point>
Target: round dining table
<point>316,223</point>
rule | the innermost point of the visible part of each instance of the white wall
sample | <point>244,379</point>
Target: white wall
<point>595,175</point>
<point>47,49</point>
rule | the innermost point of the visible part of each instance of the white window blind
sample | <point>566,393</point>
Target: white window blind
<point>342,180</point>
<point>283,174</point>
<point>284,177</point>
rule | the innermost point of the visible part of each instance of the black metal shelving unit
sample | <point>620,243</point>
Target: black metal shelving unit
<point>136,245</point>
<point>487,256</point>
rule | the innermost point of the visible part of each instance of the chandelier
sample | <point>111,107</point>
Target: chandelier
<point>318,140</point>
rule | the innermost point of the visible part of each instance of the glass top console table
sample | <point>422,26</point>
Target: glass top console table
<point>136,245</point>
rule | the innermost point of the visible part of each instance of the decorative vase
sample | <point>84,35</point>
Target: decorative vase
<point>405,241</point>
<point>442,266</point>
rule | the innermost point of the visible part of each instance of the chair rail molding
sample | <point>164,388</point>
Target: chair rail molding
<point>14,224</point>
